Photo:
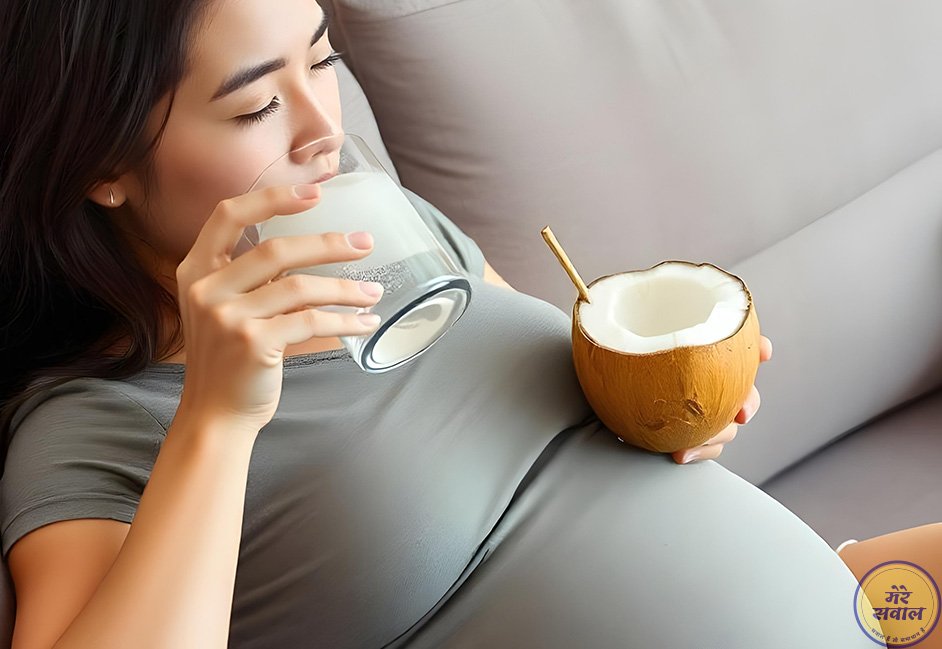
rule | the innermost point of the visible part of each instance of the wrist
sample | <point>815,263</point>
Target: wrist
<point>197,420</point>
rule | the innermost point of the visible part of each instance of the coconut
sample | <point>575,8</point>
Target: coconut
<point>666,356</point>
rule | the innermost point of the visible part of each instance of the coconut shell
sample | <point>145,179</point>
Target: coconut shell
<point>672,399</point>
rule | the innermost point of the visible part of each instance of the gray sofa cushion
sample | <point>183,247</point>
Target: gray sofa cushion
<point>853,306</point>
<point>879,479</point>
<point>357,116</point>
<point>643,130</point>
<point>744,134</point>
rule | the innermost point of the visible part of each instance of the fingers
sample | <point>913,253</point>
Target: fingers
<point>297,327</point>
<point>705,452</point>
<point>749,409</point>
<point>225,225</point>
<point>296,292</point>
<point>712,448</point>
<point>753,401</point>
<point>709,449</point>
<point>710,452</point>
<point>725,436</point>
<point>273,257</point>
<point>765,349</point>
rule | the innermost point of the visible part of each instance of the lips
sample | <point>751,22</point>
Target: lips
<point>325,177</point>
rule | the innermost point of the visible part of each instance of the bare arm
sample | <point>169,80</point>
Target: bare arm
<point>170,586</point>
<point>172,583</point>
<point>491,277</point>
<point>56,570</point>
<point>166,580</point>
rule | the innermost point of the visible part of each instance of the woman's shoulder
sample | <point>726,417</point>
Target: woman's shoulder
<point>86,402</point>
<point>83,448</point>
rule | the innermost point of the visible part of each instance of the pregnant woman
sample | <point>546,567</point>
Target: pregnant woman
<point>193,460</point>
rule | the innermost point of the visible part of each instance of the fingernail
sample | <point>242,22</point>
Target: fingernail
<point>749,414</point>
<point>373,289</point>
<point>689,456</point>
<point>360,240</point>
<point>306,191</point>
<point>369,319</point>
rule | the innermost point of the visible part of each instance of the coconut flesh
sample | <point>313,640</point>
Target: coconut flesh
<point>666,356</point>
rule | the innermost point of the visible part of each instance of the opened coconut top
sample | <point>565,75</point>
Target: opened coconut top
<point>673,304</point>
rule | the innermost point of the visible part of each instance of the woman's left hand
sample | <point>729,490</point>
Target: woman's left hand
<point>714,446</point>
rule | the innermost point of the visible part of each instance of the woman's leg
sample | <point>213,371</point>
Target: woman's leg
<point>911,558</point>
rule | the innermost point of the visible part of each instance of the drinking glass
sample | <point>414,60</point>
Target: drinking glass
<point>425,291</point>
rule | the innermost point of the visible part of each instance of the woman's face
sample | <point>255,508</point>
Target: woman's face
<point>257,88</point>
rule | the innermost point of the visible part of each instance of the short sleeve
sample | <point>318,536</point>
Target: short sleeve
<point>82,450</point>
<point>459,245</point>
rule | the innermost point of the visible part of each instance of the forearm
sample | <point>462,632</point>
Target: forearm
<point>172,583</point>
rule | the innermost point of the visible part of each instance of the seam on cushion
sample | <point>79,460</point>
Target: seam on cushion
<point>359,17</point>
<point>841,206</point>
<point>831,445</point>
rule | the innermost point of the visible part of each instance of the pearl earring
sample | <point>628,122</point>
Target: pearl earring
<point>111,195</point>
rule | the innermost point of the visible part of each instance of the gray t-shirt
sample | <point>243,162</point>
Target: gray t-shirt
<point>368,496</point>
<point>470,498</point>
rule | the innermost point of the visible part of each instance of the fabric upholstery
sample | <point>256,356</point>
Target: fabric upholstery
<point>791,142</point>
<point>879,479</point>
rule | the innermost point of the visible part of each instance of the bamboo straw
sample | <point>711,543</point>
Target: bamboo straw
<point>564,261</point>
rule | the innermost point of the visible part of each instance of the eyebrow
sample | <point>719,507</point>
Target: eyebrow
<point>246,76</point>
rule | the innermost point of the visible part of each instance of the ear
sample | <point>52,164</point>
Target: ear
<point>108,194</point>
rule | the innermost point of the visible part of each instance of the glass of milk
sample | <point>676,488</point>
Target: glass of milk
<point>425,291</point>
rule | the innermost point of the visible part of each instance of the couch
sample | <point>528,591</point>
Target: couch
<point>795,144</point>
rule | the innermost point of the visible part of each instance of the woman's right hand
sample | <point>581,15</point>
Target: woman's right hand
<point>239,315</point>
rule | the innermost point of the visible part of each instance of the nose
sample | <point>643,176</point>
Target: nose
<point>317,132</point>
<point>322,147</point>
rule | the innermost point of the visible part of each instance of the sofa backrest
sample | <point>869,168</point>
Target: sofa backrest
<point>790,141</point>
<point>643,130</point>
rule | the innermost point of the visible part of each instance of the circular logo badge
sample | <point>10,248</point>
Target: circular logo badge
<point>903,606</point>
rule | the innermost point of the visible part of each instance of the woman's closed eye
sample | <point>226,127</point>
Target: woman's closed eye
<point>326,63</point>
<point>258,116</point>
<point>275,103</point>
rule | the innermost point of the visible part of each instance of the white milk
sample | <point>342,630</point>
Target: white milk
<point>355,201</point>
<point>406,255</point>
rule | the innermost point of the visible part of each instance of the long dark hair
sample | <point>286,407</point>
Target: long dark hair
<point>78,80</point>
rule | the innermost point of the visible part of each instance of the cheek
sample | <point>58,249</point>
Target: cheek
<point>194,170</point>
<point>333,101</point>
<point>198,164</point>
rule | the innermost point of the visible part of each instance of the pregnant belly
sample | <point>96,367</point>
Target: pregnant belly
<point>370,495</point>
